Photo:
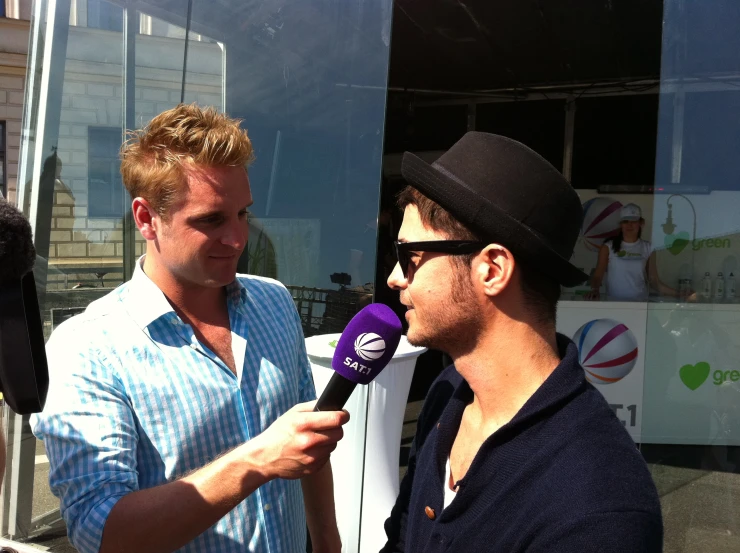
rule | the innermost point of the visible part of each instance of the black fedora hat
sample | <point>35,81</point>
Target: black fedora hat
<point>508,194</point>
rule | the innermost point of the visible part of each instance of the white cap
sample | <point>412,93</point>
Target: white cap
<point>630,212</point>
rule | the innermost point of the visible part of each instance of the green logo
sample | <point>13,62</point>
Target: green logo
<point>677,242</point>
<point>333,343</point>
<point>696,245</point>
<point>621,253</point>
<point>694,376</point>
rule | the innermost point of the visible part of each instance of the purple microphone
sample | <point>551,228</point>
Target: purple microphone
<point>366,346</point>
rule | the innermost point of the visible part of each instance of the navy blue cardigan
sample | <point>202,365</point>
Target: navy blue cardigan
<point>562,476</point>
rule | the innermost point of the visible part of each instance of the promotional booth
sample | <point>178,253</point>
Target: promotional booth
<point>667,366</point>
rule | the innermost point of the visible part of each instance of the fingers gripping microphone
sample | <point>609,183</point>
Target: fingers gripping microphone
<point>366,346</point>
<point>24,375</point>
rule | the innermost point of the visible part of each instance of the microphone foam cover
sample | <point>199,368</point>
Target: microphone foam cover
<point>17,254</point>
<point>367,344</point>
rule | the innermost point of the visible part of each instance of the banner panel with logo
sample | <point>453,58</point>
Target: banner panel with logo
<point>693,376</point>
<point>611,342</point>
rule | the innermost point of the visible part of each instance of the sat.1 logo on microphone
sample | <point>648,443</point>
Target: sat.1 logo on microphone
<point>607,350</point>
<point>369,346</point>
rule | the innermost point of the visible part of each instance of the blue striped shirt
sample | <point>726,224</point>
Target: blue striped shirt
<point>136,400</point>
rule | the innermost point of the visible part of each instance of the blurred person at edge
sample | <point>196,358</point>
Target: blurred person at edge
<point>514,450</point>
<point>628,262</point>
<point>179,414</point>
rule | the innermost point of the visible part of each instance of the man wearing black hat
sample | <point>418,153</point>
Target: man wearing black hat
<point>514,451</point>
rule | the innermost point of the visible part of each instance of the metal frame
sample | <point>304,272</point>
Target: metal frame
<point>570,123</point>
<point>471,114</point>
<point>679,102</point>
<point>16,499</point>
<point>130,29</point>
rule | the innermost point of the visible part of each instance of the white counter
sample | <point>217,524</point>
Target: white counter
<point>365,463</point>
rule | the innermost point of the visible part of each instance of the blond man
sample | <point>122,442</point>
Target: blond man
<point>177,416</point>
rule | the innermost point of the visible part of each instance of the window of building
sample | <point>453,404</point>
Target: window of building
<point>105,187</point>
<point>104,15</point>
<point>3,179</point>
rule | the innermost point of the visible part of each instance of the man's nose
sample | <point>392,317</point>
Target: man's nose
<point>396,280</point>
<point>236,235</point>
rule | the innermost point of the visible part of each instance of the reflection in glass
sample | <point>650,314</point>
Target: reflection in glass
<point>691,413</point>
<point>308,79</point>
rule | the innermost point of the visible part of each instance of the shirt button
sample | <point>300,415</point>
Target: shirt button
<point>430,512</point>
<point>193,346</point>
<point>267,507</point>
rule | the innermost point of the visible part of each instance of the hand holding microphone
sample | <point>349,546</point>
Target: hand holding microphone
<point>298,443</point>
<point>301,440</point>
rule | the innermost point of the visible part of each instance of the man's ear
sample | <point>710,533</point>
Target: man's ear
<point>494,269</point>
<point>146,218</point>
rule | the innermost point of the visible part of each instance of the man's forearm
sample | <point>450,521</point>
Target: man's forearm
<point>165,518</point>
<point>318,497</point>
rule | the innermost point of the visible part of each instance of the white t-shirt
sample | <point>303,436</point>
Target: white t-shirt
<point>626,275</point>
<point>449,494</point>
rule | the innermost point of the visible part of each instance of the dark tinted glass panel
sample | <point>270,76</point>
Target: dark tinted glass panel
<point>538,124</point>
<point>615,140</point>
<point>418,128</point>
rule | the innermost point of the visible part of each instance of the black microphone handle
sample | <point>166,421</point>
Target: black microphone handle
<point>336,394</point>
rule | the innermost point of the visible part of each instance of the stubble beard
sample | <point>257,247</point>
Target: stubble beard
<point>452,325</point>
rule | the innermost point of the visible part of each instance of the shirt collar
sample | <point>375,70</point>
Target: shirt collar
<point>150,303</point>
<point>236,293</point>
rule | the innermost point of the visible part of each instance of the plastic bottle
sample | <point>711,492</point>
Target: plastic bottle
<point>730,288</point>
<point>706,287</point>
<point>719,287</point>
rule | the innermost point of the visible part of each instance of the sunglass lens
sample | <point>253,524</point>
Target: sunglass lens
<point>403,260</point>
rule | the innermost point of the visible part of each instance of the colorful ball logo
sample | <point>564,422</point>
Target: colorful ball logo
<point>600,221</point>
<point>607,350</point>
<point>369,346</point>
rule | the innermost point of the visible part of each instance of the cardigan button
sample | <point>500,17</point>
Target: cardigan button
<point>430,512</point>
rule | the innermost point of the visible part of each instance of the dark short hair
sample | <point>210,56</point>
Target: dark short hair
<point>541,292</point>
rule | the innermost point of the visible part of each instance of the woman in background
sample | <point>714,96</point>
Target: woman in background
<point>628,262</point>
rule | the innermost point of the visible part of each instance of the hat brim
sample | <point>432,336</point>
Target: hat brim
<point>623,219</point>
<point>488,219</point>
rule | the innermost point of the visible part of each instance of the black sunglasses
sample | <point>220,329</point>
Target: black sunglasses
<point>450,247</point>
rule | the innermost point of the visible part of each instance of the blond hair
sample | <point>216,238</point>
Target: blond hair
<point>154,160</point>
